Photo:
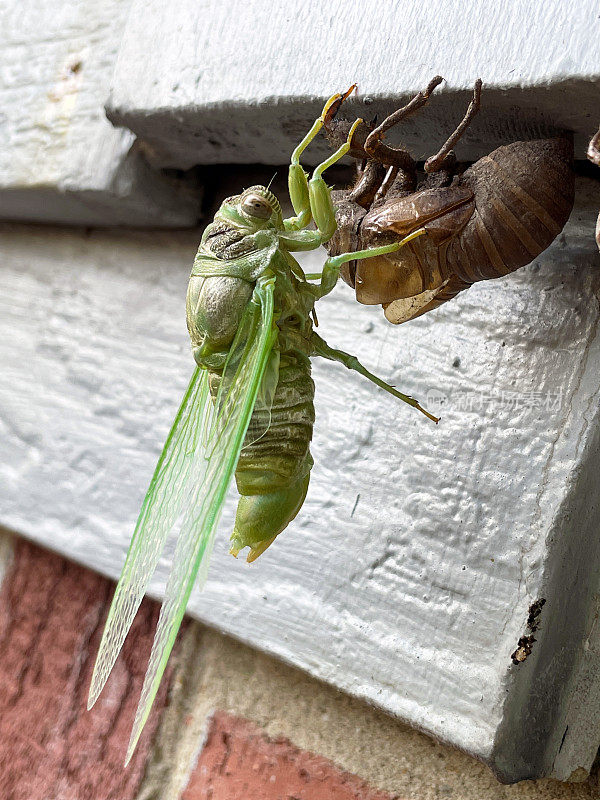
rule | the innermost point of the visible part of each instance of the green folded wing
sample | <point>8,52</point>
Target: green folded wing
<point>223,442</point>
<point>241,349</point>
<point>177,470</point>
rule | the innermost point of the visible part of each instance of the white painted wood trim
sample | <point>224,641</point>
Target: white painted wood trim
<point>407,577</point>
<point>241,81</point>
<point>61,161</point>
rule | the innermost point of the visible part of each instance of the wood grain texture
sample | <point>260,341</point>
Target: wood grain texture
<point>240,82</point>
<point>408,576</point>
<point>61,160</point>
<point>51,618</point>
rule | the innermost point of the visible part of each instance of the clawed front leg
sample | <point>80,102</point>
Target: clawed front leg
<point>321,205</point>
<point>316,193</point>
<point>313,200</point>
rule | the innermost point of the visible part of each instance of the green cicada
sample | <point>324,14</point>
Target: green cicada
<point>248,409</point>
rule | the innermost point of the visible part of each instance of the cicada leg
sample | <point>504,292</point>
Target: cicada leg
<point>321,348</point>
<point>321,206</point>
<point>445,154</point>
<point>297,180</point>
<point>398,157</point>
<point>331,268</point>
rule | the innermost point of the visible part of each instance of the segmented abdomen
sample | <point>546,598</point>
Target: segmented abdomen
<point>281,456</point>
<point>523,197</point>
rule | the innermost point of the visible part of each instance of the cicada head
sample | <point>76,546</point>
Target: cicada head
<point>255,208</point>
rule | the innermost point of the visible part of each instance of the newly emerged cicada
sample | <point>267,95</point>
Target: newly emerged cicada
<point>593,154</point>
<point>248,409</point>
<point>480,222</point>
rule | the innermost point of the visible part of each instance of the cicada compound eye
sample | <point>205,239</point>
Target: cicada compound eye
<point>256,206</point>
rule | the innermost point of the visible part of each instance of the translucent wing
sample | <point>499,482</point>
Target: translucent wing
<point>239,352</point>
<point>224,440</point>
<point>171,484</point>
<point>261,416</point>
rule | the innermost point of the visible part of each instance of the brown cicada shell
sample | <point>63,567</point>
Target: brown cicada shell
<point>481,222</point>
<point>593,154</point>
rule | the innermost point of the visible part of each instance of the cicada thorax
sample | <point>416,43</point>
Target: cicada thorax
<point>215,305</point>
<point>214,308</point>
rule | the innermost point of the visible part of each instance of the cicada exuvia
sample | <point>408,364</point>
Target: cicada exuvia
<point>481,221</point>
<point>593,154</point>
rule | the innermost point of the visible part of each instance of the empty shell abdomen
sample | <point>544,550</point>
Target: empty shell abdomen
<point>523,197</point>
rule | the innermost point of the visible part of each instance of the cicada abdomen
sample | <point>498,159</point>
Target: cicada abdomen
<point>480,223</point>
<point>273,470</point>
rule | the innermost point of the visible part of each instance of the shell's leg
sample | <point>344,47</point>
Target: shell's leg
<point>374,145</point>
<point>369,183</point>
<point>398,157</point>
<point>593,152</point>
<point>445,157</point>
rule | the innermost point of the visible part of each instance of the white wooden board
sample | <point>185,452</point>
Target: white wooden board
<point>60,159</point>
<point>407,577</point>
<point>240,81</point>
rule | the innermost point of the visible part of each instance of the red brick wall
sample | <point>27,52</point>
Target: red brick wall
<point>51,747</point>
<point>239,761</point>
